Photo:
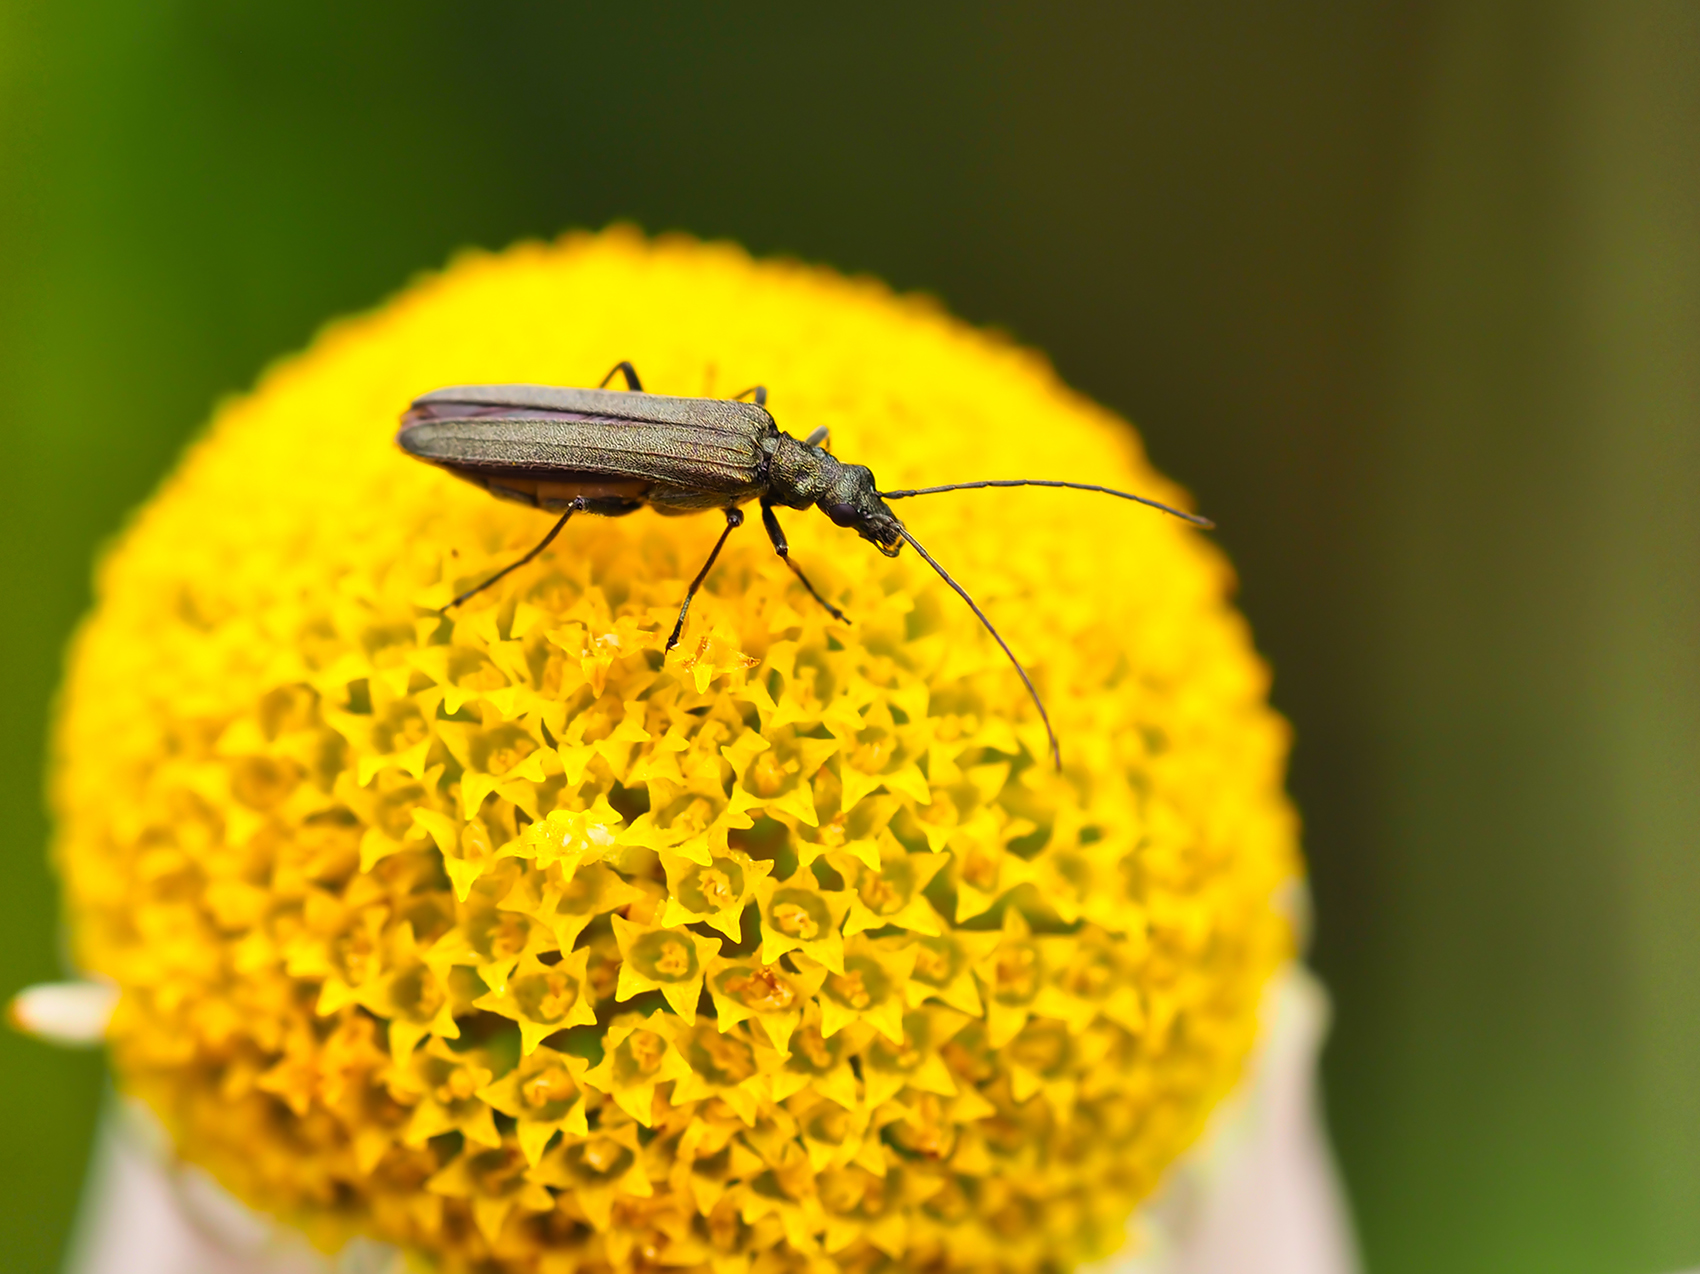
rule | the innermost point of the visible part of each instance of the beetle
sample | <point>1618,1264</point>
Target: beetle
<point>611,452</point>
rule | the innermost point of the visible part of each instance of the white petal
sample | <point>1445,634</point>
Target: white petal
<point>145,1213</point>
<point>1260,1194</point>
<point>72,1013</point>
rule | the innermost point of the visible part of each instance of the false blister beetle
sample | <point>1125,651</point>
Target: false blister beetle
<point>611,452</point>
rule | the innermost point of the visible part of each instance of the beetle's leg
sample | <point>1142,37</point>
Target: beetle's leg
<point>760,391</point>
<point>734,519</point>
<point>818,438</point>
<point>771,522</point>
<point>508,570</point>
<point>632,381</point>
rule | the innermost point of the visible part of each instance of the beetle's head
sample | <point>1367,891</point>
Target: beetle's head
<point>851,500</point>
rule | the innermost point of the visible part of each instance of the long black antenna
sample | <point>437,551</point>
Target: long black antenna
<point>1194,518</point>
<point>1056,750</point>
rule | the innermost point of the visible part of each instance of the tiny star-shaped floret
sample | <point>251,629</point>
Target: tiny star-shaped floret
<point>713,893</point>
<point>639,1054</point>
<point>566,900</point>
<point>494,1181</point>
<point>411,995</point>
<point>819,1061</point>
<point>769,993</point>
<point>545,998</point>
<point>605,1166</point>
<point>444,1086</point>
<point>1017,978</point>
<point>944,969</point>
<point>729,1065</point>
<point>798,915</point>
<point>869,988</point>
<point>888,1067</point>
<point>893,894</point>
<point>543,1096</point>
<point>672,961</point>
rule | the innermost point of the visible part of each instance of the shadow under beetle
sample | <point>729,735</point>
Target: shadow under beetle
<point>611,452</point>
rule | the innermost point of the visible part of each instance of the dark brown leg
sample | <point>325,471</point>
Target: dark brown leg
<point>508,570</point>
<point>734,519</point>
<point>784,550</point>
<point>632,382</point>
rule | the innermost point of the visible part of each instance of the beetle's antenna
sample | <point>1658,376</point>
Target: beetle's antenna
<point>1194,518</point>
<point>1056,750</point>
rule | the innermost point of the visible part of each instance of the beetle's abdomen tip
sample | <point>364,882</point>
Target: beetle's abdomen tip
<point>417,413</point>
<point>406,438</point>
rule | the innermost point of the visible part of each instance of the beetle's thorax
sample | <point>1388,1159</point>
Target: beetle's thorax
<point>799,475</point>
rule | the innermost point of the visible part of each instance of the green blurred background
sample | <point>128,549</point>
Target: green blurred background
<point>1409,294</point>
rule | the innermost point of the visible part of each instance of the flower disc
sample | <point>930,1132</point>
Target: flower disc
<point>512,939</point>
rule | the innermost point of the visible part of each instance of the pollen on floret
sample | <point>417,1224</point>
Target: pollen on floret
<point>513,938</point>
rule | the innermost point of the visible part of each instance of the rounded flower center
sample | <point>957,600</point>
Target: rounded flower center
<point>367,865</point>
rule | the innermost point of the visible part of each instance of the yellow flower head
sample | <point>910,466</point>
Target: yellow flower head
<point>515,939</point>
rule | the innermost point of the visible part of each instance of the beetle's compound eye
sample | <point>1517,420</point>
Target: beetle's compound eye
<point>842,514</point>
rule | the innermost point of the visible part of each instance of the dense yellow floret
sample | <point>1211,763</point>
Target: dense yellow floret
<point>514,940</point>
